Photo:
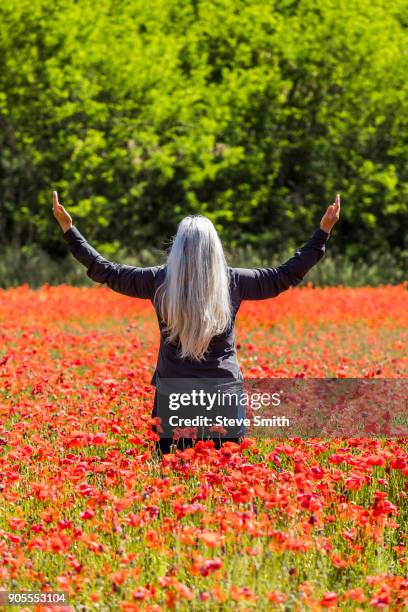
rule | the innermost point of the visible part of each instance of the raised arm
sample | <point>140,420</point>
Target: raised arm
<point>131,281</point>
<point>263,283</point>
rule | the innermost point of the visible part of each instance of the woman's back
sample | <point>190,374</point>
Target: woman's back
<point>220,358</point>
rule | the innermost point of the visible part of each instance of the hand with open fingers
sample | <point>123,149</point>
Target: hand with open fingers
<point>331,216</point>
<point>61,215</point>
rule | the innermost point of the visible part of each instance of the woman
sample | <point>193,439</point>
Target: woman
<point>195,294</point>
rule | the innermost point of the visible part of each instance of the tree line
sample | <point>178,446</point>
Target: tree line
<point>254,113</point>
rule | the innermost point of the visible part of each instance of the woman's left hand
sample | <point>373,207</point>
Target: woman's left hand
<point>61,215</point>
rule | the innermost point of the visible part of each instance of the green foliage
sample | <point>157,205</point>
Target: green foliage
<point>252,113</point>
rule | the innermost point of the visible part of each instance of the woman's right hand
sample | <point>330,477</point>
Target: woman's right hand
<point>331,216</point>
<point>61,215</point>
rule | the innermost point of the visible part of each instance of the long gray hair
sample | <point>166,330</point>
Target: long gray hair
<point>194,299</point>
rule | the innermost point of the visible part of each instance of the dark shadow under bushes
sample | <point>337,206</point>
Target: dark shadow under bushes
<point>34,266</point>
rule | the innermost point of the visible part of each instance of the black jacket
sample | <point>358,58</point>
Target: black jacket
<point>245,284</point>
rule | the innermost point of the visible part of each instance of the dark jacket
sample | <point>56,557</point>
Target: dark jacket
<point>245,284</point>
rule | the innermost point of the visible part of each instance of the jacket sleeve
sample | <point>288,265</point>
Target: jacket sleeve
<point>263,283</point>
<point>135,282</point>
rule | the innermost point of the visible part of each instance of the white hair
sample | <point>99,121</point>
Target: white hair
<point>194,300</point>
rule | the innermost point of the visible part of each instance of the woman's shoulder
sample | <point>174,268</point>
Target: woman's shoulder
<point>159,272</point>
<point>233,275</point>
<point>155,269</point>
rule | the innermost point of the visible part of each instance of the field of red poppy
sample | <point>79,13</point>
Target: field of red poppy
<point>87,507</point>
